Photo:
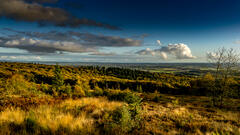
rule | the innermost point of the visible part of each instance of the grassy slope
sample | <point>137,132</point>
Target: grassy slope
<point>29,111</point>
<point>86,116</point>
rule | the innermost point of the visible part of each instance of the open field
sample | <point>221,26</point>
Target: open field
<point>169,115</point>
<point>46,99</point>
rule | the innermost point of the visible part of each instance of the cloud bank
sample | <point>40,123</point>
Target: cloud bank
<point>179,51</point>
<point>45,46</point>
<point>21,10</point>
<point>52,42</point>
<point>20,58</point>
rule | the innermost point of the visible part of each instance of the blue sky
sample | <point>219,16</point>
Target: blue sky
<point>117,31</point>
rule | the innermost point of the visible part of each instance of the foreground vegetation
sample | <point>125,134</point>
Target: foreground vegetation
<point>48,99</point>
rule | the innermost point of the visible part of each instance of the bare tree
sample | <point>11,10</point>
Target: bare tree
<point>226,63</point>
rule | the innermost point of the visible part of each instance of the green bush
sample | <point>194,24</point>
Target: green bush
<point>122,120</point>
<point>18,85</point>
<point>65,90</point>
<point>126,96</point>
<point>46,89</point>
<point>125,119</point>
<point>128,117</point>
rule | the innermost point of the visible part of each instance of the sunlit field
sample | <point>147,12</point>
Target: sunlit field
<point>45,99</point>
<point>119,67</point>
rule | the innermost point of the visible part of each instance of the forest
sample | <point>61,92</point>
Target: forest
<point>55,99</point>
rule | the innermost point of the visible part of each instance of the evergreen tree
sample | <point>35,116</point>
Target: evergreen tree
<point>58,80</point>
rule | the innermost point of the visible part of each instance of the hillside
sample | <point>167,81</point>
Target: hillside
<point>53,99</point>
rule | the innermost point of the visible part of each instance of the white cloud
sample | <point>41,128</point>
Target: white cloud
<point>163,55</point>
<point>20,58</point>
<point>147,51</point>
<point>180,51</point>
<point>12,42</point>
<point>159,42</point>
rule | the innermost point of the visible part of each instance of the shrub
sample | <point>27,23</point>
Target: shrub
<point>98,91</point>
<point>125,96</point>
<point>65,90</point>
<point>78,91</point>
<point>46,89</point>
<point>128,117</point>
<point>125,119</point>
<point>17,85</point>
<point>122,120</point>
<point>132,98</point>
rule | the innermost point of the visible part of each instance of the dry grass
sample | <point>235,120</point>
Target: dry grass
<point>177,119</point>
<point>85,116</point>
<point>97,103</point>
<point>12,115</point>
<point>73,115</point>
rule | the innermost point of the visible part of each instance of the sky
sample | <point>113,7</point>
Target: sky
<point>119,31</point>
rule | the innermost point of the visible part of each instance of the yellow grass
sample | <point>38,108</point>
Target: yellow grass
<point>12,115</point>
<point>176,117</point>
<point>84,114</point>
<point>62,116</point>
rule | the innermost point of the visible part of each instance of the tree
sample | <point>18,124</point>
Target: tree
<point>58,80</point>
<point>225,62</point>
<point>205,84</point>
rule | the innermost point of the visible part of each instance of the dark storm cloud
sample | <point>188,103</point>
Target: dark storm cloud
<point>87,39</point>
<point>44,46</point>
<point>51,42</point>
<point>21,10</point>
<point>107,41</point>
